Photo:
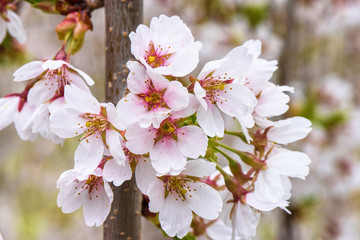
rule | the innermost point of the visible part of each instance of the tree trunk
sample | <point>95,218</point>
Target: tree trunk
<point>122,17</point>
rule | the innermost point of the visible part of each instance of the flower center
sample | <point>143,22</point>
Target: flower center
<point>177,186</point>
<point>91,185</point>
<point>96,124</point>
<point>157,57</point>
<point>213,85</point>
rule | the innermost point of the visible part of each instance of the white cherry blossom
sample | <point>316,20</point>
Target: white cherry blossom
<point>90,191</point>
<point>99,124</point>
<point>52,77</point>
<point>167,46</point>
<point>152,97</point>
<point>219,86</point>
<point>175,197</point>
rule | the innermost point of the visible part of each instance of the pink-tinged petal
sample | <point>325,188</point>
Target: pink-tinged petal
<point>200,94</point>
<point>181,63</point>
<point>140,140</point>
<point>89,154</point>
<point>192,141</point>
<point>268,186</point>
<point>113,117</point>
<point>15,27</point>
<point>8,109</point>
<point>28,71</point>
<point>176,96</point>
<point>175,217</point>
<point>2,29</point>
<point>256,203</point>
<point>97,206</point>
<point>145,175</point>
<point>114,140</point>
<point>21,119</point>
<point>203,200</point>
<point>165,156</point>
<point>137,80</point>
<point>289,130</point>
<point>189,110</point>
<point>140,41</point>
<point>210,120</point>
<point>115,173</point>
<point>199,168</point>
<point>82,74</point>
<point>76,80</point>
<point>290,163</point>
<point>159,81</point>
<point>41,92</point>
<point>78,99</point>
<point>131,109</point>
<point>154,117</point>
<point>156,195</point>
<point>236,100</point>
<point>67,123</point>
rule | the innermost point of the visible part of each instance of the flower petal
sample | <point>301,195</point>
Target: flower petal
<point>145,175</point>
<point>199,168</point>
<point>67,122</point>
<point>78,99</point>
<point>203,200</point>
<point>210,120</point>
<point>176,96</point>
<point>115,173</point>
<point>113,140</point>
<point>15,27</point>
<point>192,141</point>
<point>140,140</point>
<point>28,71</point>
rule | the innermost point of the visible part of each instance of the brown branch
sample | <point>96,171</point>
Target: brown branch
<point>122,17</point>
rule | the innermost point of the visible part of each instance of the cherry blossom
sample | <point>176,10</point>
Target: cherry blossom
<point>11,21</point>
<point>175,197</point>
<point>99,124</point>
<point>170,144</point>
<point>167,46</point>
<point>52,76</point>
<point>90,191</point>
<point>219,86</point>
<point>152,97</point>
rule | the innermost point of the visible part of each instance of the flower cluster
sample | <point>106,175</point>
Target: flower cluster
<point>205,150</point>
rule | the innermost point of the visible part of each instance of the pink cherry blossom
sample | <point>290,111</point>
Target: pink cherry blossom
<point>175,197</point>
<point>11,21</point>
<point>167,46</point>
<point>152,97</point>
<point>90,191</point>
<point>52,76</point>
<point>170,144</point>
<point>99,124</point>
<point>219,87</point>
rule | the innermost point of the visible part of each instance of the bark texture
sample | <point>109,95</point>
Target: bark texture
<point>122,17</point>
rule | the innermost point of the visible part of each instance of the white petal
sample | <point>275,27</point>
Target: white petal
<point>140,140</point>
<point>200,94</point>
<point>159,81</point>
<point>204,200</point>
<point>176,96</point>
<point>137,78</point>
<point>289,130</point>
<point>115,173</point>
<point>131,109</point>
<point>175,217</point>
<point>78,99</point>
<point>89,154</point>
<point>290,163</point>
<point>76,80</point>
<point>156,195</point>
<point>113,140</point>
<point>67,123</point>
<point>97,208</point>
<point>15,27</point>
<point>145,175</point>
<point>41,92</point>
<point>166,156</point>
<point>199,168</point>
<point>21,119</point>
<point>210,120</point>
<point>8,109</point>
<point>254,47</point>
<point>192,141</point>
<point>246,220</point>
<point>268,186</point>
<point>28,71</point>
<point>113,117</point>
<point>53,64</point>
<point>189,110</point>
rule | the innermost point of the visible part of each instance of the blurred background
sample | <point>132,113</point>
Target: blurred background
<point>317,44</point>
